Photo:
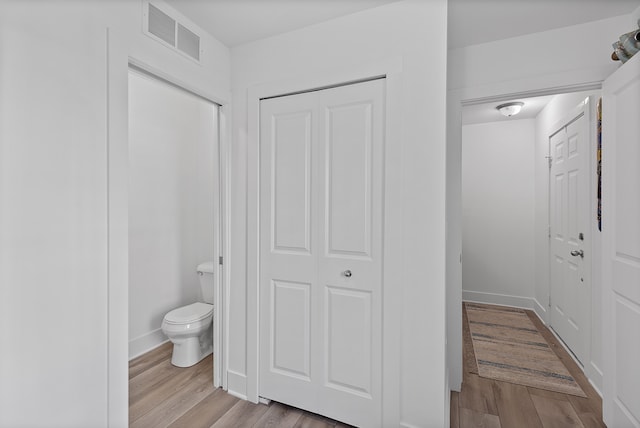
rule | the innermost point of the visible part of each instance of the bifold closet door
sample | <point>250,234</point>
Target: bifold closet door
<point>321,204</point>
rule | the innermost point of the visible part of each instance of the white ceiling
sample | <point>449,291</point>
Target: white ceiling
<point>235,22</point>
<point>486,112</point>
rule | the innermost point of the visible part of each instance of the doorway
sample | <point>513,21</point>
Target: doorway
<point>174,206</point>
<point>512,268</point>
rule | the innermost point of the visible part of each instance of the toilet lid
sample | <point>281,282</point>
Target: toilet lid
<point>190,313</point>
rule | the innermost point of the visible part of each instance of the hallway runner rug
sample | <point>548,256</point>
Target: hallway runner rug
<point>509,348</point>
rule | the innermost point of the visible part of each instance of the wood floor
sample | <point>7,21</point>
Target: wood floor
<point>161,395</point>
<point>491,404</point>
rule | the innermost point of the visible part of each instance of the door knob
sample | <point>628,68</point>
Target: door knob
<point>347,273</point>
<point>577,253</point>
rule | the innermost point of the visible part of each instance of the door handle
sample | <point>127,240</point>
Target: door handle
<point>578,253</point>
<point>347,273</point>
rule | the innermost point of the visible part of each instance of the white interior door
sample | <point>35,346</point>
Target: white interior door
<point>621,245</point>
<point>570,291</point>
<point>321,251</point>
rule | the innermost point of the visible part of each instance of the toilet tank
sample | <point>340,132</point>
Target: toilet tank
<point>205,275</point>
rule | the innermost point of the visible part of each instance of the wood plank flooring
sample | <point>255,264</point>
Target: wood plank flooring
<point>495,404</point>
<point>161,395</point>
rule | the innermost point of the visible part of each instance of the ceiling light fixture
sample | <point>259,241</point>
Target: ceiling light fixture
<point>510,109</point>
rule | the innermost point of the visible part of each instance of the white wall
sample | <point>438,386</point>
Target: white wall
<point>635,16</point>
<point>571,57</point>
<point>65,361</point>
<point>172,135</point>
<point>546,122</point>
<point>415,33</point>
<point>479,65</point>
<point>497,212</point>
<point>52,223</point>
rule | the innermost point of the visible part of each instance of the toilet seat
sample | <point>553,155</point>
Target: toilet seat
<point>189,314</point>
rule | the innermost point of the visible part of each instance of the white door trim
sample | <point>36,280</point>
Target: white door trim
<point>117,148</point>
<point>392,274</point>
<point>117,152</point>
<point>220,369</point>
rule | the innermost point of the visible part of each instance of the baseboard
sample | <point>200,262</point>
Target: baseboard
<point>447,400</point>
<point>237,384</point>
<point>146,343</point>
<point>407,425</point>
<point>594,374</point>
<point>498,299</point>
<point>542,320</point>
<point>540,311</point>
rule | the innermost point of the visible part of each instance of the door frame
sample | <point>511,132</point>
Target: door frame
<point>585,110</point>
<point>391,69</point>
<point>220,223</point>
<point>219,217</point>
<point>118,63</point>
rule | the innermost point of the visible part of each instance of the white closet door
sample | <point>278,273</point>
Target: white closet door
<point>321,251</point>
<point>621,245</point>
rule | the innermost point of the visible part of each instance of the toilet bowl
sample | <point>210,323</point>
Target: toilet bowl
<point>190,327</point>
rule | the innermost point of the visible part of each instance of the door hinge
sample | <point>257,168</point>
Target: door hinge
<point>220,260</point>
<point>549,231</point>
<point>550,160</point>
<point>549,300</point>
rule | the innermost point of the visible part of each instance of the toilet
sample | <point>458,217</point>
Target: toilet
<point>190,327</point>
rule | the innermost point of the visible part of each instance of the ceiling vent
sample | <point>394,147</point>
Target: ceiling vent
<point>162,27</point>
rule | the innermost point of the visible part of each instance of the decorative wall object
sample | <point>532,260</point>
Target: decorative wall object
<point>626,46</point>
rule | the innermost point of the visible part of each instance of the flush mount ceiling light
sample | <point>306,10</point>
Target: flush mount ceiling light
<point>510,109</point>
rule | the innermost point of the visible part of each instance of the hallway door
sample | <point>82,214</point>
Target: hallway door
<point>621,245</point>
<point>570,291</point>
<point>321,202</point>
